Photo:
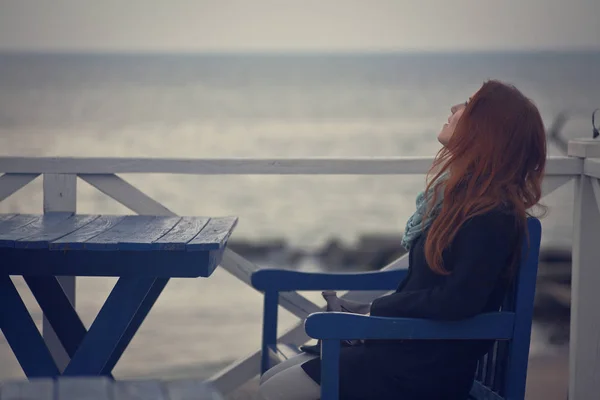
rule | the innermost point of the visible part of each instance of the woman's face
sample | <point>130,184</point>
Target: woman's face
<point>448,128</point>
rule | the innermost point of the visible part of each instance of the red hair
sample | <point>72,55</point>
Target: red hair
<point>495,158</point>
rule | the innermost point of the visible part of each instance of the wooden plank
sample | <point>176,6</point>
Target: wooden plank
<point>8,239</point>
<point>11,183</point>
<point>596,189</point>
<point>191,390</point>
<point>17,222</point>
<point>247,166</point>
<point>551,183</point>
<point>60,192</point>
<point>138,390</point>
<point>6,217</point>
<point>126,194</point>
<point>76,240</point>
<point>584,357</point>
<point>84,388</point>
<point>48,233</point>
<point>134,233</point>
<point>34,389</point>
<point>591,167</point>
<point>214,235</point>
<point>176,239</point>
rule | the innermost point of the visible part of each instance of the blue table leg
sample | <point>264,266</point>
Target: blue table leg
<point>136,322</point>
<point>58,310</point>
<point>118,320</point>
<point>22,335</point>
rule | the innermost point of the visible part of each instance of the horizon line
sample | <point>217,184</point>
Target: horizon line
<point>288,52</point>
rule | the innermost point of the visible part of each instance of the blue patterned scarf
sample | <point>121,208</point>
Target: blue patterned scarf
<point>418,222</point>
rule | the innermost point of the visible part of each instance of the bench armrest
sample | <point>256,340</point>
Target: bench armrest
<point>287,280</point>
<point>334,325</point>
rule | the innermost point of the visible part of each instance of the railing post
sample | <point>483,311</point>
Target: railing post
<point>60,195</point>
<point>584,360</point>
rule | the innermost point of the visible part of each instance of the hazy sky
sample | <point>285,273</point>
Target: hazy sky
<point>298,25</point>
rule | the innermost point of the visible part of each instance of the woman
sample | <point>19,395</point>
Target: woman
<point>464,243</point>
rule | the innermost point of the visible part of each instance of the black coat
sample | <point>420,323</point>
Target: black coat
<point>478,258</point>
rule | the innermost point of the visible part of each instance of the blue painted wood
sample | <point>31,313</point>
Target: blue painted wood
<point>58,310</point>
<point>339,325</point>
<point>14,221</point>
<point>214,235</point>
<point>47,221</point>
<point>21,333</point>
<point>518,354</point>
<point>288,280</point>
<point>330,369</point>
<point>103,338</point>
<point>503,370</point>
<point>177,238</point>
<point>141,313</point>
<point>6,217</point>
<point>135,233</point>
<point>76,240</point>
<point>165,264</point>
<point>47,233</point>
<point>269,334</point>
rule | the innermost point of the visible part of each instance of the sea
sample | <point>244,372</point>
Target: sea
<point>260,105</point>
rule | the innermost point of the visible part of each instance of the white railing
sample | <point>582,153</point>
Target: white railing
<point>60,177</point>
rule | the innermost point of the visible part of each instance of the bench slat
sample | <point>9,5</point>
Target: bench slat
<point>134,233</point>
<point>186,230</point>
<point>190,390</point>
<point>214,235</point>
<point>34,389</point>
<point>77,239</point>
<point>138,390</point>
<point>84,388</point>
<point>47,232</point>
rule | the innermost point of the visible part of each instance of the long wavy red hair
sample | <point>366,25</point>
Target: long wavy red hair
<point>495,158</point>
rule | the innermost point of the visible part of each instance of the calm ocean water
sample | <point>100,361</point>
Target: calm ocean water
<point>259,106</point>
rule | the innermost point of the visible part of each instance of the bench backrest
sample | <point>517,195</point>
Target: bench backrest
<point>504,369</point>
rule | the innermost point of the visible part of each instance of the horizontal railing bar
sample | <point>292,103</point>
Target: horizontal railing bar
<point>248,166</point>
<point>591,167</point>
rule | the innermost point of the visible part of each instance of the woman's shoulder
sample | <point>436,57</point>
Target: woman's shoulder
<point>500,218</point>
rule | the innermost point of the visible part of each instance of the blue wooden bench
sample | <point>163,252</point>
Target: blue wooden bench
<point>501,374</point>
<point>103,388</point>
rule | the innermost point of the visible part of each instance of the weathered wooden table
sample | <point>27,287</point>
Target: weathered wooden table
<point>101,388</point>
<point>143,251</point>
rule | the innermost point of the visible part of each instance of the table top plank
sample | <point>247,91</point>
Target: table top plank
<point>181,234</point>
<point>16,222</point>
<point>34,389</point>
<point>84,388</point>
<point>48,233</point>
<point>138,390</point>
<point>46,221</point>
<point>77,239</point>
<point>214,235</point>
<point>134,233</point>
<point>6,217</point>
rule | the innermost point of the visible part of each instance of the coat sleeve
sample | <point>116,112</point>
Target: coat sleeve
<point>480,252</point>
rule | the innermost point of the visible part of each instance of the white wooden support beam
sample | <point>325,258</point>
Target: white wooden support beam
<point>11,183</point>
<point>584,344</point>
<point>60,195</point>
